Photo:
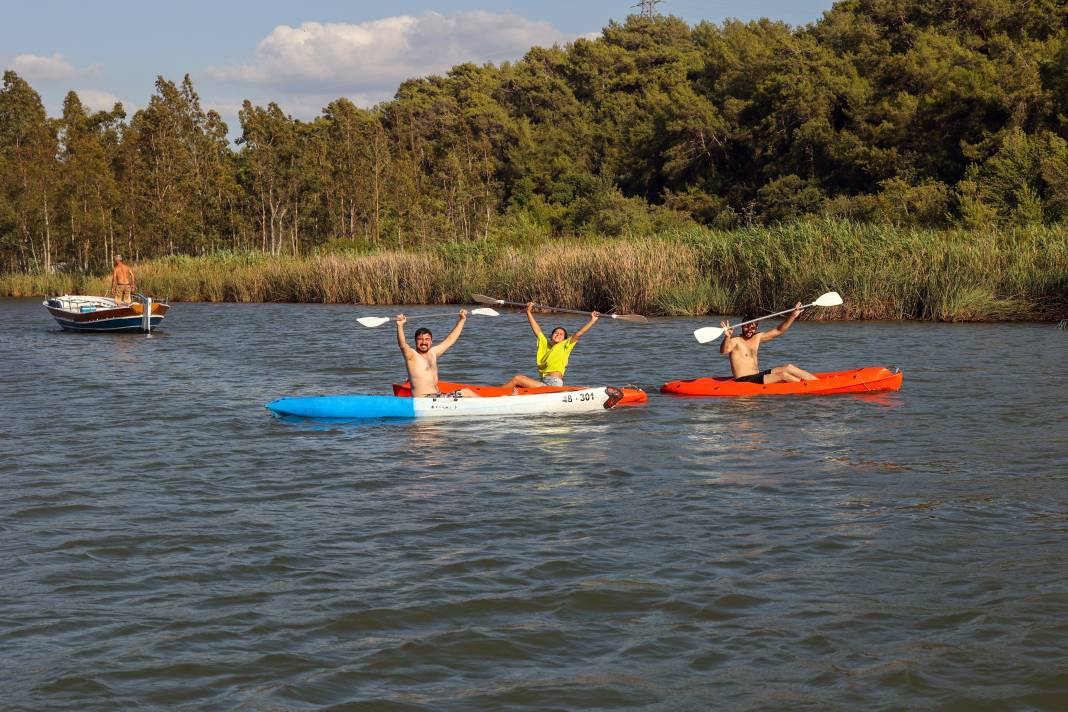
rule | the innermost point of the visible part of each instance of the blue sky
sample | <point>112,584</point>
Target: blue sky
<point>300,54</point>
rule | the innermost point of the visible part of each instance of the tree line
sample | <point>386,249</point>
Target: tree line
<point>907,112</point>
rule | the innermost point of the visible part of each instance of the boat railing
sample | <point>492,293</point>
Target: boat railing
<point>79,303</point>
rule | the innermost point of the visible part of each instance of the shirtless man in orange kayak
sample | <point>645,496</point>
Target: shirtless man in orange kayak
<point>422,361</point>
<point>743,353</point>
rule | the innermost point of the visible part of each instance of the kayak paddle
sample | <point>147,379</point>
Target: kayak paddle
<point>483,299</point>
<point>373,321</point>
<point>711,333</point>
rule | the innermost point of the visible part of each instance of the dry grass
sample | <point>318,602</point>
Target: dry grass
<point>883,272</point>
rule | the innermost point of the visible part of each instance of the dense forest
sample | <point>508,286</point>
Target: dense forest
<point>922,113</point>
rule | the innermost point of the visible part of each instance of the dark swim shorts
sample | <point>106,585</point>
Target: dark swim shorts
<point>753,377</point>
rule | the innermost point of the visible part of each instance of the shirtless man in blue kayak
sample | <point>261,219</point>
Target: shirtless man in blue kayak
<point>422,361</point>
<point>743,353</point>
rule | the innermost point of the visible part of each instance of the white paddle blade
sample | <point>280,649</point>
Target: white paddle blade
<point>485,311</point>
<point>372,321</point>
<point>708,333</point>
<point>830,299</point>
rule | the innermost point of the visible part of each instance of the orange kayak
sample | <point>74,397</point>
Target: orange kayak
<point>859,380</point>
<point>630,395</point>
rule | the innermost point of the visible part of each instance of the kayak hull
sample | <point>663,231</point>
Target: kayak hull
<point>858,380</point>
<point>630,395</point>
<point>367,406</point>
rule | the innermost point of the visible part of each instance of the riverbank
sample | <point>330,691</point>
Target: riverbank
<point>883,272</point>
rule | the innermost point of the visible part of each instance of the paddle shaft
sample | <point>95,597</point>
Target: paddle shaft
<point>548,308</point>
<point>372,322</point>
<point>711,333</point>
<point>428,316</point>
<point>482,299</point>
<point>768,316</point>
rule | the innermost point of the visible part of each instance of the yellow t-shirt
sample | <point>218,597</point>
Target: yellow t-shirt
<point>553,358</point>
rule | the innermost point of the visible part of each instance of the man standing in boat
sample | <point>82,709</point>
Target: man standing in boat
<point>743,353</point>
<point>122,282</point>
<point>422,361</point>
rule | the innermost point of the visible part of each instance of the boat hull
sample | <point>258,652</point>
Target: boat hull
<point>367,406</point>
<point>859,380</point>
<point>115,324</point>
<point>630,395</point>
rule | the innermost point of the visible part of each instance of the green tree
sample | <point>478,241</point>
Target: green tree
<point>359,154</point>
<point>88,183</point>
<point>166,172</point>
<point>1023,183</point>
<point>28,148</point>
<point>270,153</point>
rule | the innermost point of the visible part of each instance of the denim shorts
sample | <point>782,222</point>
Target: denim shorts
<point>552,381</point>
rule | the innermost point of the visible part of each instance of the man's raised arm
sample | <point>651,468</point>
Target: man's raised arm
<point>401,341</point>
<point>781,328</point>
<point>453,335</point>
<point>728,342</point>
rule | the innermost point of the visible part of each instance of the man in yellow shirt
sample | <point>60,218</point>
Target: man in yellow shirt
<point>553,353</point>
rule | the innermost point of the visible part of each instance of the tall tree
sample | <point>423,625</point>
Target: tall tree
<point>359,153</point>
<point>271,143</point>
<point>164,174</point>
<point>88,184</point>
<point>28,147</point>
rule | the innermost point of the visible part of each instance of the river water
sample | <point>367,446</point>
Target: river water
<point>168,544</point>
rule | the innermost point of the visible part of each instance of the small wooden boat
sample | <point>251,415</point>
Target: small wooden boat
<point>83,313</point>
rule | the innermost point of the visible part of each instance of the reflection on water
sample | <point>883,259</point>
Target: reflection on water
<point>884,399</point>
<point>172,545</point>
<point>425,439</point>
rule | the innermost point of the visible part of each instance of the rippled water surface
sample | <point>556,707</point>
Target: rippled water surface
<point>167,543</point>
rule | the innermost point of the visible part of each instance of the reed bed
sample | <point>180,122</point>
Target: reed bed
<point>883,273</point>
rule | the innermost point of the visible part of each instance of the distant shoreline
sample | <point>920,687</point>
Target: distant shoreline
<point>883,273</point>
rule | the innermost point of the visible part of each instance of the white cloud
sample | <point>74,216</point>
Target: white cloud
<point>54,68</point>
<point>372,58</point>
<point>96,100</point>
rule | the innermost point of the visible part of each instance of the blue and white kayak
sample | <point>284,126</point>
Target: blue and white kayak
<point>365,406</point>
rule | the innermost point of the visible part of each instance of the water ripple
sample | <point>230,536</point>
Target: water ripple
<point>170,545</point>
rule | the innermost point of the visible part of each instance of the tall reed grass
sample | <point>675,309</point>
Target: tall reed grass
<point>883,273</point>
